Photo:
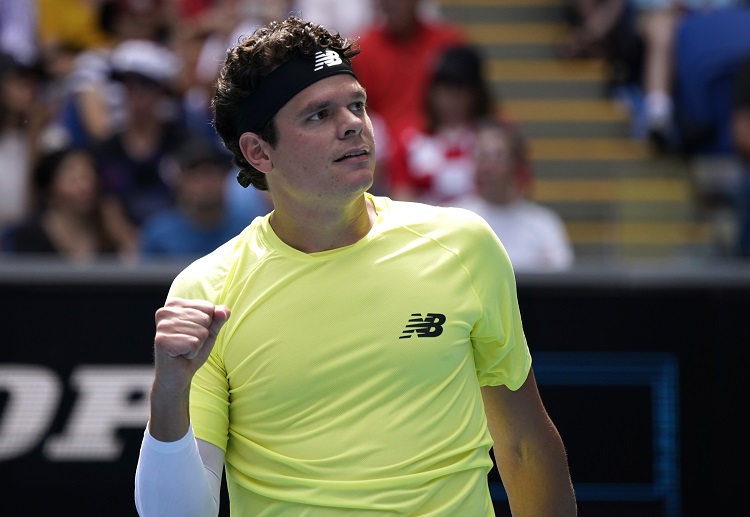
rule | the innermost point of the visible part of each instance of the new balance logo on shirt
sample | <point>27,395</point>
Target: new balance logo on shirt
<point>429,326</point>
<point>327,58</point>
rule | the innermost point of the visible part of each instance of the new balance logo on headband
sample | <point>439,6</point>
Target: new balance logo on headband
<point>327,58</point>
<point>286,81</point>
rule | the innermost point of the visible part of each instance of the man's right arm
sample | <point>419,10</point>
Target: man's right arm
<point>170,467</point>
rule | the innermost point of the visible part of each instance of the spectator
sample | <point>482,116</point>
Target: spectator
<point>398,53</point>
<point>434,162</point>
<point>533,235</point>
<point>351,19</point>
<point>74,42</point>
<point>657,22</point>
<point>23,116</point>
<point>92,102</point>
<point>137,162</point>
<point>67,221</point>
<point>709,47</point>
<point>203,217</point>
<point>69,24</point>
<point>139,19</point>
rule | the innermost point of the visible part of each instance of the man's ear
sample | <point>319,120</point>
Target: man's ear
<point>255,150</point>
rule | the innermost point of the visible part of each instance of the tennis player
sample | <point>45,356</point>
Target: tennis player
<point>374,352</point>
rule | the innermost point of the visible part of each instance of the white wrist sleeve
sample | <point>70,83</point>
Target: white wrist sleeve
<point>171,480</point>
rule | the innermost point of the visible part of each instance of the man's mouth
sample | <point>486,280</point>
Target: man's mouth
<point>352,154</point>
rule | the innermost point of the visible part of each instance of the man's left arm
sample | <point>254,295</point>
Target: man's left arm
<point>529,452</point>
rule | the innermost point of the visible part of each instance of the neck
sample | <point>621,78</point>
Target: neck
<point>315,229</point>
<point>502,197</point>
<point>142,137</point>
<point>204,216</point>
<point>403,29</point>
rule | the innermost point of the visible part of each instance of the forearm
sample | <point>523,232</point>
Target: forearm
<point>170,414</point>
<point>529,452</point>
<point>171,480</point>
<point>537,480</point>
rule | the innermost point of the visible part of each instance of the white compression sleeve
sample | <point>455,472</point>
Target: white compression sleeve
<point>171,479</point>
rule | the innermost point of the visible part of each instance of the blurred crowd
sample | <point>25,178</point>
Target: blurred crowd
<point>681,68</point>
<point>108,150</point>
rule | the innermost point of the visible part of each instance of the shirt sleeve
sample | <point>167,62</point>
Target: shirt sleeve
<point>171,479</point>
<point>501,354</point>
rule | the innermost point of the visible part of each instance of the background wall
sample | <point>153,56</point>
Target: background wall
<point>639,368</point>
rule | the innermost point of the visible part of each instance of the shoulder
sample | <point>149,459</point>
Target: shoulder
<point>439,222</point>
<point>460,233</point>
<point>164,223</point>
<point>206,277</point>
<point>414,210</point>
<point>542,214</point>
<point>162,230</point>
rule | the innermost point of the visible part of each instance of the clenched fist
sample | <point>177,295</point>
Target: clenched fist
<point>186,331</point>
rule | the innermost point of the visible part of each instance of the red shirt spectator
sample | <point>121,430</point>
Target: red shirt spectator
<point>397,58</point>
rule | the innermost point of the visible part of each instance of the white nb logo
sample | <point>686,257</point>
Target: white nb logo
<point>327,58</point>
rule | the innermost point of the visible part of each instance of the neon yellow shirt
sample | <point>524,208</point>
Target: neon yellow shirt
<point>347,382</point>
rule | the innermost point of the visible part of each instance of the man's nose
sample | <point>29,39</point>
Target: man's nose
<point>351,123</point>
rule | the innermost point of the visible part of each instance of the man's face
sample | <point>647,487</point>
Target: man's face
<point>452,103</point>
<point>75,185</point>
<point>326,150</point>
<point>201,186</point>
<point>142,95</point>
<point>399,15</point>
<point>495,167</point>
<point>19,91</point>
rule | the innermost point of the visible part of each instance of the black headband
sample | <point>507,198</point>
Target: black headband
<point>286,81</point>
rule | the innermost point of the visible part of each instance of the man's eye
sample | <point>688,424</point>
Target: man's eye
<point>358,106</point>
<point>320,115</point>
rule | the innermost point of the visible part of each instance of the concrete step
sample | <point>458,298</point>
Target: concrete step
<point>519,11</point>
<point>567,110</point>
<point>613,149</point>
<point>607,211</point>
<point>618,200</point>
<point>655,190</point>
<point>536,129</point>
<point>547,78</point>
<point>589,169</point>
<point>506,33</point>
<point>638,233</point>
<point>563,89</point>
<point>546,70</point>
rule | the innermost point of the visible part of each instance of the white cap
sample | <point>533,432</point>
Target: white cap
<point>146,58</point>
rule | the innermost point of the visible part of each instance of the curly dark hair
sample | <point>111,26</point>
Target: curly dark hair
<point>254,58</point>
